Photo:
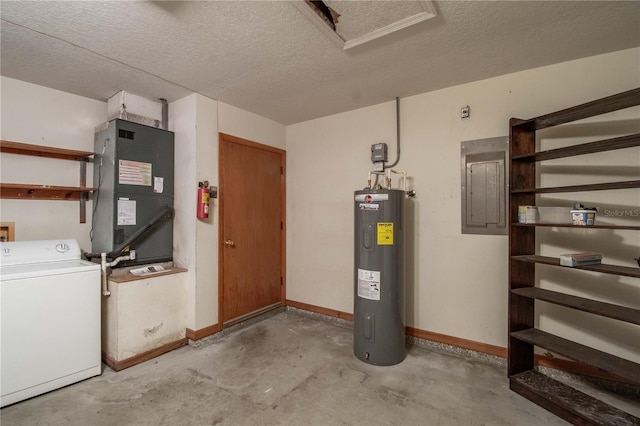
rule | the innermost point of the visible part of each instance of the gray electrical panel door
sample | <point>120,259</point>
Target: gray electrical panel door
<point>133,171</point>
<point>484,186</point>
<point>379,326</point>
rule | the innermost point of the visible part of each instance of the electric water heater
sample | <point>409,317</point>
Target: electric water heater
<point>379,326</point>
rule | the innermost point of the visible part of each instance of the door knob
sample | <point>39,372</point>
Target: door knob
<point>229,243</point>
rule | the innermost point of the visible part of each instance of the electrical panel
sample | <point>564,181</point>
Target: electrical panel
<point>484,186</point>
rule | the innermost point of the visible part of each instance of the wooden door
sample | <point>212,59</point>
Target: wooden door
<point>252,243</point>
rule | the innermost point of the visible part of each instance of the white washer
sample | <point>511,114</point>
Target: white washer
<point>50,300</point>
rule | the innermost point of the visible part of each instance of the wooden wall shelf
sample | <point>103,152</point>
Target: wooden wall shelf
<point>628,184</point>
<point>570,225</point>
<point>44,151</point>
<point>565,401</point>
<point>42,192</point>
<point>49,192</point>
<point>628,271</point>
<point>608,310</point>
<point>622,142</point>
<point>590,109</point>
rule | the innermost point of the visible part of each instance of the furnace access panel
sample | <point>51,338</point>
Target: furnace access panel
<point>133,171</point>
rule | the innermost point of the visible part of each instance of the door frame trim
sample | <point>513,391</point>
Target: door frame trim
<point>222,137</point>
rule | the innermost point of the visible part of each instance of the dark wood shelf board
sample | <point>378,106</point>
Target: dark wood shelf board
<point>626,271</point>
<point>628,141</point>
<point>43,192</point>
<point>609,310</point>
<point>600,106</point>
<point>568,403</point>
<point>569,225</point>
<point>612,364</point>
<point>628,184</point>
<point>19,148</point>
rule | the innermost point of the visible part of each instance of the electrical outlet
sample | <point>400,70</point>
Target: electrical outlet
<point>465,112</point>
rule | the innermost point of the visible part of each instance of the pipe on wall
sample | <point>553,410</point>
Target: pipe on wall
<point>165,114</point>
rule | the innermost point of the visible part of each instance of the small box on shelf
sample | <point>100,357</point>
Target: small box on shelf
<point>527,214</point>
<point>583,217</point>
<point>579,259</point>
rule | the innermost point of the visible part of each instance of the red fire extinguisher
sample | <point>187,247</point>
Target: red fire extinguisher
<point>203,200</point>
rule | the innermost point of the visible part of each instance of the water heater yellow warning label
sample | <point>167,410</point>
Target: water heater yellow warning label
<point>385,233</point>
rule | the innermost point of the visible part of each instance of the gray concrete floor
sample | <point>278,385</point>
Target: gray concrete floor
<point>288,369</point>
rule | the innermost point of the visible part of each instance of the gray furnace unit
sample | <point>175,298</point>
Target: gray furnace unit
<point>133,171</point>
<point>379,331</point>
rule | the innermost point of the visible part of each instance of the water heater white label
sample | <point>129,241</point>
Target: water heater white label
<point>369,284</point>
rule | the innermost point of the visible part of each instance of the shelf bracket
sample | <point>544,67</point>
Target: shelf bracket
<point>84,195</point>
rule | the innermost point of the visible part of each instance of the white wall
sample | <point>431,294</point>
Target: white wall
<point>182,121</point>
<point>206,234</point>
<point>196,121</point>
<point>458,283</point>
<point>327,159</point>
<point>242,124</point>
<point>42,116</point>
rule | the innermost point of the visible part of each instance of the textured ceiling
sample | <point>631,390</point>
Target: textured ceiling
<point>267,58</point>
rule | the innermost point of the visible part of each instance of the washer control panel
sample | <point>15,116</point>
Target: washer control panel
<point>26,252</point>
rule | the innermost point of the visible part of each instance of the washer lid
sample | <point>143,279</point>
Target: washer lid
<point>29,252</point>
<point>48,269</point>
